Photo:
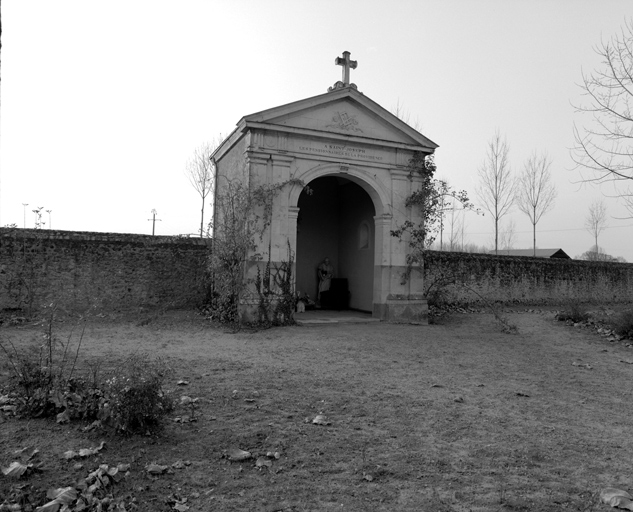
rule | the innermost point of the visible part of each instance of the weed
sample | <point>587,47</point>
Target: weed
<point>623,324</point>
<point>275,288</point>
<point>437,295</point>
<point>31,382</point>
<point>134,398</point>
<point>575,310</point>
<point>42,383</point>
<point>506,326</point>
<point>40,375</point>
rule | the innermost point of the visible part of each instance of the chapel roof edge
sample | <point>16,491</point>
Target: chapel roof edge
<point>337,95</point>
<point>261,120</point>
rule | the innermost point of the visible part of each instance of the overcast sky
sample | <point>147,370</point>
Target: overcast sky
<point>102,103</point>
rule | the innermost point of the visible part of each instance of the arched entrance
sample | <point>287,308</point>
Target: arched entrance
<point>336,220</point>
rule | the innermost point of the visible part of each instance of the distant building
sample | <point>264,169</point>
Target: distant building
<point>540,253</point>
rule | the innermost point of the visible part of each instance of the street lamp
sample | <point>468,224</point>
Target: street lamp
<point>25,205</point>
<point>50,224</point>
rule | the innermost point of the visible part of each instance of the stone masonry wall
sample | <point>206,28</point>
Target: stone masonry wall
<point>518,279</point>
<point>113,272</point>
<point>105,271</point>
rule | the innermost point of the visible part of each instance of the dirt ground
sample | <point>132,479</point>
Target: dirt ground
<point>456,416</point>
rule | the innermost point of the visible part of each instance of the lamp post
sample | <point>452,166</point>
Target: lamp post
<point>25,205</point>
<point>50,224</point>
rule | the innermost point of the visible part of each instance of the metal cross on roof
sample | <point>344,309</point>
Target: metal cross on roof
<point>347,65</point>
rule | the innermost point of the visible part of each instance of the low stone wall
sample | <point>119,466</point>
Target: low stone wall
<point>519,279</point>
<point>109,272</point>
<point>113,272</point>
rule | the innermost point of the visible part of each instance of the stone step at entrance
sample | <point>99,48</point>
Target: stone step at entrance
<point>322,316</point>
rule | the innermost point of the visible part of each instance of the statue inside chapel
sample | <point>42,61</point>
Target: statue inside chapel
<point>326,272</point>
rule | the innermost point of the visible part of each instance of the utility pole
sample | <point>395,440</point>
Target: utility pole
<point>25,205</point>
<point>154,219</point>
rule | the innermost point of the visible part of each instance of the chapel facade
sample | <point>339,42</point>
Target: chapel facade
<point>344,159</point>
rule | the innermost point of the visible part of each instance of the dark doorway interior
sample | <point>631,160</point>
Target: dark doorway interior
<point>337,221</point>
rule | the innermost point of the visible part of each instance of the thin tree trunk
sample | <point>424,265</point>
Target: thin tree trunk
<point>202,219</point>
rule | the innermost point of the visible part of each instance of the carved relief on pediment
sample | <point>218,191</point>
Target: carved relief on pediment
<point>345,121</point>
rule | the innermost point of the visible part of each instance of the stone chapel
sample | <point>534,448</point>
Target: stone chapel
<point>353,155</point>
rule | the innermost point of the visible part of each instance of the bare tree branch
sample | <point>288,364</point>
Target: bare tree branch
<point>604,144</point>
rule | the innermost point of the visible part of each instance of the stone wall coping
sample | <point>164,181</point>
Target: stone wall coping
<point>91,236</point>
<point>535,259</point>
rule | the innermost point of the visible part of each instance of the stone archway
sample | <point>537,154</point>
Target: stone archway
<point>338,220</point>
<point>378,193</point>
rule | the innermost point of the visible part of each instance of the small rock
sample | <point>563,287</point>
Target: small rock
<point>321,419</point>
<point>237,455</point>
<point>156,469</point>
<point>263,461</point>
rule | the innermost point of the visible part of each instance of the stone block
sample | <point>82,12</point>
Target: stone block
<point>403,310</point>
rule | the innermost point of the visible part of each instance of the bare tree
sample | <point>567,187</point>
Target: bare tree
<point>536,193</point>
<point>497,187</point>
<point>405,115</point>
<point>456,223</point>
<point>604,144</point>
<point>596,220</point>
<point>508,236</point>
<point>201,173</point>
<point>597,254</point>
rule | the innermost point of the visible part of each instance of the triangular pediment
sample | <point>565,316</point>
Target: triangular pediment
<point>343,112</point>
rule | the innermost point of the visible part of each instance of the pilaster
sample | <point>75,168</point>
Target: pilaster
<point>280,228</point>
<point>293,215</point>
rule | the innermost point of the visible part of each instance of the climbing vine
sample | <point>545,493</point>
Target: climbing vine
<point>242,217</point>
<point>275,289</point>
<point>431,201</point>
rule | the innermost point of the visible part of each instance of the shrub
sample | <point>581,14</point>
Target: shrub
<point>42,383</point>
<point>41,375</point>
<point>135,401</point>
<point>32,383</point>
<point>623,324</point>
<point>80,399</point>
<point>575,311</point>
